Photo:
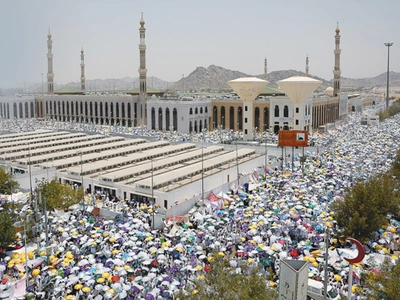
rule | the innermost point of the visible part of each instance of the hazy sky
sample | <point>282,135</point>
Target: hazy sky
<point>182,35</point>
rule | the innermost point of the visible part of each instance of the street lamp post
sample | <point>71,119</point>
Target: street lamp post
<point>202,168</point>
<point>152,188</point>
<point>83,194</point>
<point>237,164</point>
<point>387,75</point>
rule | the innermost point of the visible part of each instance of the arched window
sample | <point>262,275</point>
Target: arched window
<point>26,110</point>
<point>232,118</point>
<point>175,119</point>
<point>123,110</point>
<point>190,127</point>
<point>286,112</point>
<point>206,109</point>
<point>195,126</point>
<point>223,116</point>
<point>191,111</point>
<point>117,110</point>
<point>266,118</point>
<point>21,112</point>
<point>201,110</point>
<point>15,109</point>
<point>153,118</point>
<point>196,111</point>
<point>276,111</point>
<point>129,111</point>
<point>215,117</point>
<point>160,118</point>
<point>167,119</point>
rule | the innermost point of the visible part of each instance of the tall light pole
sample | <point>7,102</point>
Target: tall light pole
<point>152,189</point>
<point>202,168</point>
<point>237,165</point>
<point>83,194</point>
<point>387,78</point>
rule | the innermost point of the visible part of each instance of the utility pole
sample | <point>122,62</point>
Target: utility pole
<point>45,226</point>
<point>326,263</point>
<point>152,189</point>
<point>387,78</point>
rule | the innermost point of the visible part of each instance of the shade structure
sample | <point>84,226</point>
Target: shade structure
<point>248,89</point>
<point>299,88</point>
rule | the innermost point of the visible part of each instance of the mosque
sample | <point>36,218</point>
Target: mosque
<point>272,110</point>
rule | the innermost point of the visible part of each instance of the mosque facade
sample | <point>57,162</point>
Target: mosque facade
<point>272,110</point>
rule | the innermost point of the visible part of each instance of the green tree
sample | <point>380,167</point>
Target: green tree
<point>7,231</point>
<point>7,182</point>
<point>222,282</point>
<point>366,206</point>
<point>383,284</point>
<point>58,195</point>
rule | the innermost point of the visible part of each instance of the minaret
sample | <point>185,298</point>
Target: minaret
<point>307,65</point>
<point>336,70</point>
<point>82,70</point>
<point>50,74</point>
<point>142,49</point>
<point>265,68</point>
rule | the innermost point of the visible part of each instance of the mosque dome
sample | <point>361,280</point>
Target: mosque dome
<point>329,91</point>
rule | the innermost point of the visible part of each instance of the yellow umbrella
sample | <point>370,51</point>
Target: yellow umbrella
<point>337,277</point>
<point>86,289</point>
<point>111,291</point>
<point>69,255</point>
<point>149,238</point>
<point>250,260</point>
<point>112,240</point>
<point>115,251</point>
<point>105,275</point>
<point>70,297</point>
<point>179,249</point>
<point>199,268</point>
<point>30,255</point>
<point>221,253</point>
<point>100,280</point>
<point>35,272</point>
<point>315,264</point>
<point>78,286</point>
<point>201,277</point>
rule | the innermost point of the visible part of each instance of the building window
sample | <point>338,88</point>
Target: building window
<point>297,122</point>
<point>245,120</point>
<point>166,204</point>
<point>245,108</point>
<point>276,111</point>
<point>196,111</point>
<point>245,131</point>
<point>297,110</point>
<point>286,111</point>
<point>191,111</point>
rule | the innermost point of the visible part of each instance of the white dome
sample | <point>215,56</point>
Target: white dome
<point>329,91</point>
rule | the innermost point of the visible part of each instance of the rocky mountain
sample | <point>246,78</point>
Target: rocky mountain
<point>377,81</point>
<point>215,78</point>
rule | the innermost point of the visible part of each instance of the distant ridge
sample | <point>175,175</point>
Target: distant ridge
<point>215,78</point>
